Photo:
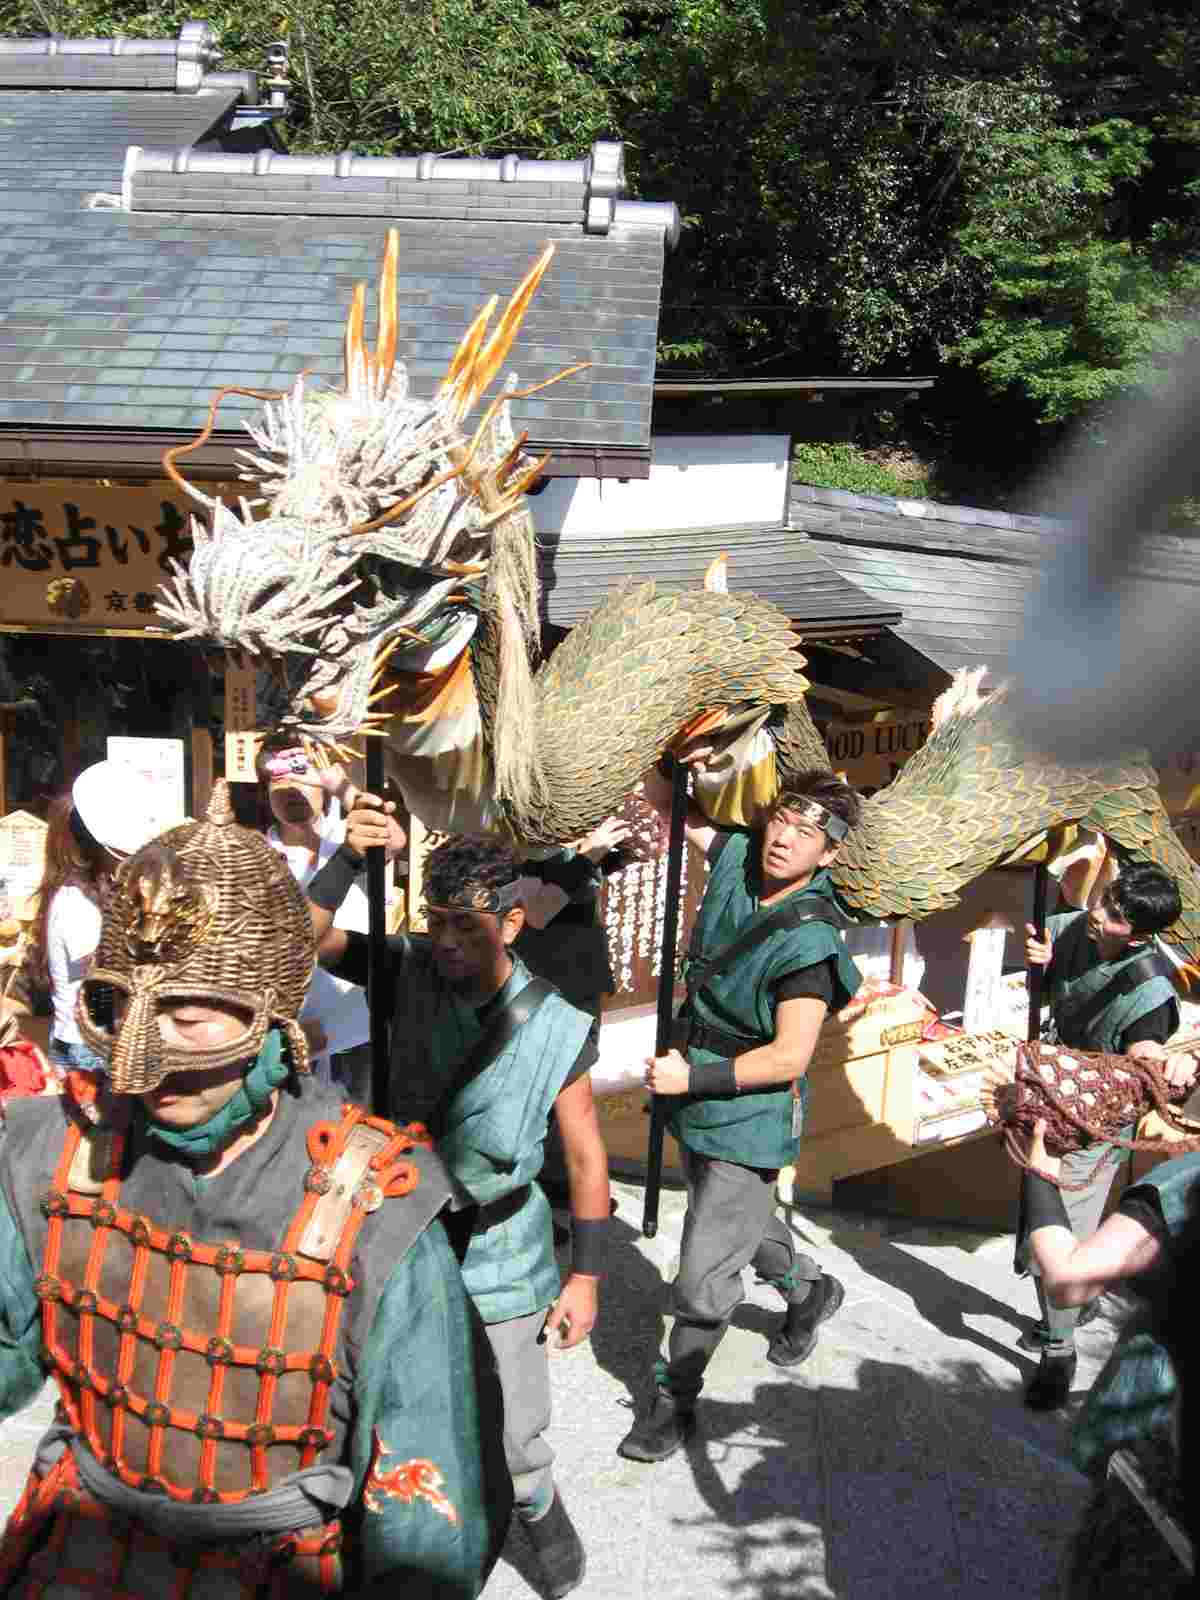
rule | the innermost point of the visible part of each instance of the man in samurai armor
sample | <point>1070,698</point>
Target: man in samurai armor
<point>484,1054</point>
<point>1108,990</point>
<point>270,1379</point>
<point>765,967</point>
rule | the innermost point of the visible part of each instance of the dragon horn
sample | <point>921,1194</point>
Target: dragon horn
<point>356,353</point>
<point>463,360</point>
<point>385,342</point>
<point>491,357</point>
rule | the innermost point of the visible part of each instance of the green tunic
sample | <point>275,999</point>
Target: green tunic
<point>1076,974</point>
<point>491,1130</point>
<point>760,1128</point>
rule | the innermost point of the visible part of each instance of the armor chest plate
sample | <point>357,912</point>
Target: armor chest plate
<point>195,1368</point>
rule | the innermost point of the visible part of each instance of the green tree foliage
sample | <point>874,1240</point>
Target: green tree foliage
<point>448,75</point>
<point>869,186</point>
<point>845,466</point>
<point>1079,304</point>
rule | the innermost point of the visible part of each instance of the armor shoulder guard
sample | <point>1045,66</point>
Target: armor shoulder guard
<point>372,1173</point>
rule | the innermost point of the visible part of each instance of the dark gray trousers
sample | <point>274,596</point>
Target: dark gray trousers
<point>730,1225</point>
<point>523,1367</point>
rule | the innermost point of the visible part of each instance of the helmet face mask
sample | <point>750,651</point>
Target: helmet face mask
<point>207,913</point>
<point>139,1058</point>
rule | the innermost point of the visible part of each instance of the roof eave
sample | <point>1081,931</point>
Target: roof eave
<point>97,451</point>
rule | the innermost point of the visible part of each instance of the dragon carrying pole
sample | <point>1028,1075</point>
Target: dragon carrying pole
<point>1037,975</point>
<point>666,992</point>
<point>378,998</point>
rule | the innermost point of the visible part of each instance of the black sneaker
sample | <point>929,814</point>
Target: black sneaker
<point>559,1549</point>
<point>666,1427</point>
<point>797,1338</point>
<point>1050,1387</point>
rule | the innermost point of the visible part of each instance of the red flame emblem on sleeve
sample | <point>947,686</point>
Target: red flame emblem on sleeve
<point>411,1480</point>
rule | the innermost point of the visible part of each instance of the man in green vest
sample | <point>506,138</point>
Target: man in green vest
<point>1108,990</point>
<point>765,967</point>
<point>484,1054</point>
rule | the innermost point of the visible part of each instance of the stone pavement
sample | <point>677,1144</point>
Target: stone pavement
<point>897,1462</point>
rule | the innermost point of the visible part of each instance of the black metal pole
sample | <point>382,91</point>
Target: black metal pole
<point>666,993</point>
<point>1036,977</point>
<point>379,1000</point>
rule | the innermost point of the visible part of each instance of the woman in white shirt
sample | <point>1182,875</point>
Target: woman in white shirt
<point>92,827</point>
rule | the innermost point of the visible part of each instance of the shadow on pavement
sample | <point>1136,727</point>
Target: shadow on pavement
<point>937,1297</point>
<point>890,1487</point>
<point>629,1331</point>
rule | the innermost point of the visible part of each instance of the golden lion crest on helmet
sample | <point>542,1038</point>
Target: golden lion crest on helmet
<point>167,913</point>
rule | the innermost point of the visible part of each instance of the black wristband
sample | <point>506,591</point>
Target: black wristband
<point>714,1080</point>
<point>589,1244</point>
<point>1044,1205</point>
<point>329,887</point>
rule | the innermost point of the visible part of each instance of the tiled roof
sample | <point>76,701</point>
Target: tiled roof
<point>963,575</point>
<point>203,269</point>
<point>579,570</point>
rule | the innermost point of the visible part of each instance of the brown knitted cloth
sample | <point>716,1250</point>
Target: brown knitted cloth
<point>1086,1099</point>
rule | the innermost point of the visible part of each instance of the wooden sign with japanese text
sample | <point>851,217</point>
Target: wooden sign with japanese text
<point>79,558</point>
<point>242,743</point>
<point>22,862</point>
<point>870,754</point>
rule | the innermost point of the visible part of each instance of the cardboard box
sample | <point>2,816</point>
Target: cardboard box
<point>882,1023</point>
<point>625,1129</point>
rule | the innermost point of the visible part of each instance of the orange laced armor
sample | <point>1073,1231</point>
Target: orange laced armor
<point>191,1369</point>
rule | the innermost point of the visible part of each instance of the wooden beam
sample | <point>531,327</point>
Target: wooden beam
<point>869,680</point>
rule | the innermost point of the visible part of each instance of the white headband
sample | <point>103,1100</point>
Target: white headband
<point>813,811</point>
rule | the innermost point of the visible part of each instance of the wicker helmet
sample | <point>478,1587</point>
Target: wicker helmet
<point>206,912</point>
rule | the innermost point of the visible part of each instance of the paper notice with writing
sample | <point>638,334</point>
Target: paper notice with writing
<point>983,976</point>
<point>160,762</point>
<point>22,862</point>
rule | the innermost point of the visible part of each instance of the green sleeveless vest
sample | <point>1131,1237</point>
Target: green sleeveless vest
<point>494,1130</point>
<point>1105,1031</point>
<point>760,1128</point>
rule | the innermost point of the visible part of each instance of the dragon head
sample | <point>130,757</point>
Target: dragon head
<point>380,529</point>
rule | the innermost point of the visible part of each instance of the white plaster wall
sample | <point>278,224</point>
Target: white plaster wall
<point>696,481</point>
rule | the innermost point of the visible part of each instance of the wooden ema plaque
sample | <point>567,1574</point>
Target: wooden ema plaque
<point>22,863</point>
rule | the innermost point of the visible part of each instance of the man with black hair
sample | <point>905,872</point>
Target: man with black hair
<point>483,1054</point>
<point>765,967</point>
<point>1108,990</point>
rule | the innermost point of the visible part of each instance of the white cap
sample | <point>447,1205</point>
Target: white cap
<point>118,806</point>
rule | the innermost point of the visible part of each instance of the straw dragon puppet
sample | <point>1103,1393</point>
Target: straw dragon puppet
<point>388,575</point>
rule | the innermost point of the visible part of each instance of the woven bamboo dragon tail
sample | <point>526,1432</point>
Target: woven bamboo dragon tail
<point>973,794</point>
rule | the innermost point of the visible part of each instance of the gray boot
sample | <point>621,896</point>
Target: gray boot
<point>667,1426</point>
<point>559,1549</point>
<point>797,1339</point>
